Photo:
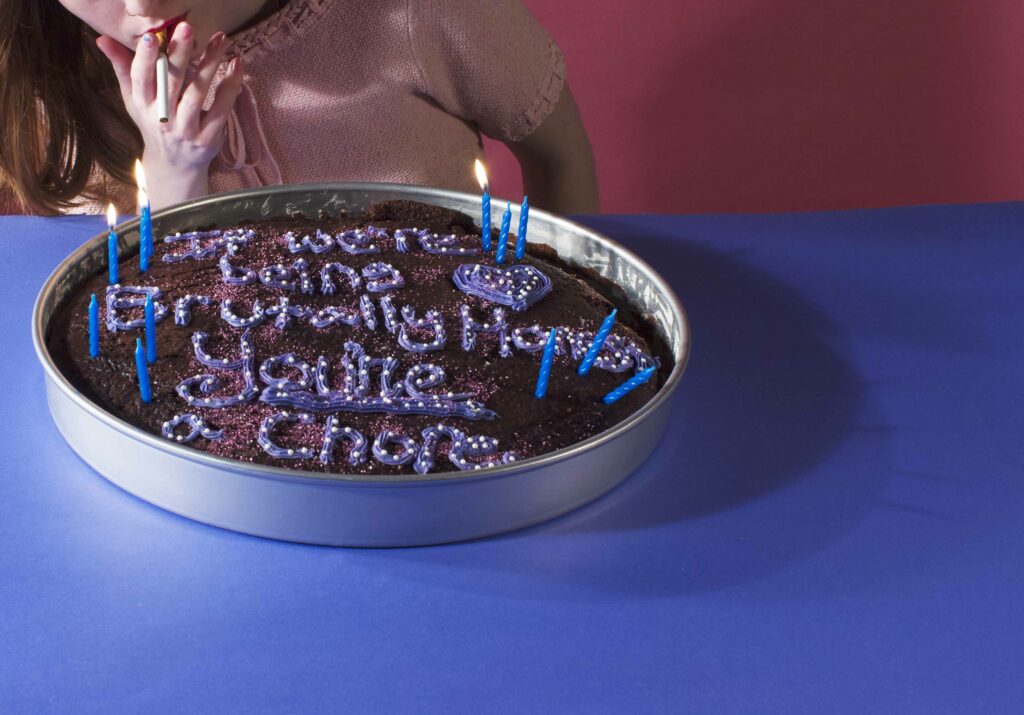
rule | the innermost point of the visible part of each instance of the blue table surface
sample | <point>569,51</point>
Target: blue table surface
<point>833,525</point>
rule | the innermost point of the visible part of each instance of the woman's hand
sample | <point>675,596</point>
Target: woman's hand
<point>178,152</point>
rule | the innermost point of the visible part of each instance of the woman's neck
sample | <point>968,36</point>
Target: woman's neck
<point>254,12</point>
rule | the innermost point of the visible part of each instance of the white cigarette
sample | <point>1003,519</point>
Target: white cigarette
<point>162,100</point>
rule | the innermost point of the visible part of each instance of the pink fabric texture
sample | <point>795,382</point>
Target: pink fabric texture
<point>382,90</point>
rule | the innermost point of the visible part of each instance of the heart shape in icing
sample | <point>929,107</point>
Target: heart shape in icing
<point>518,287</point>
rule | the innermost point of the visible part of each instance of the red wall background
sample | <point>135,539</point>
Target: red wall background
<point>777,105</point>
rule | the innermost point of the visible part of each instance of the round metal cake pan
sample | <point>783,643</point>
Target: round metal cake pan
<point>360,510</point>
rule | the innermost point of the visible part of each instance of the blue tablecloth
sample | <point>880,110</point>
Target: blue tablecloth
<point>834,525</point>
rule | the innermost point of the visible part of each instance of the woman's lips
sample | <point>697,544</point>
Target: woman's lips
<point>169,25</point>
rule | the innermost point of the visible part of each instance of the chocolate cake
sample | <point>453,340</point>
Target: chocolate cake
<point>387,342</point>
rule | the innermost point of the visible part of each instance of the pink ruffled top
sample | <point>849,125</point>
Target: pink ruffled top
<point>383,90</point>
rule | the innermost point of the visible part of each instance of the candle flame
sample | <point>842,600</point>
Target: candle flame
<point>140,175</point>
<point>111,215</point>
<point>481,174</point>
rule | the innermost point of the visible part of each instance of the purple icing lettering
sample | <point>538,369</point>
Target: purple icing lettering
<point>120,298</point>
<point>431,320</point>
<point>285,312</point>
<point>266,440</point>
<point>230,240</point>
<point>229,316</point>
<point>327,286</point>
<point>197,428</point>
<point>199,339</point>
<point>357,241</point>
<point>183,307</point>
<point>208,384</point>
<point>368,311</point>
<point>498,326</point>
<point>405,454</point>
<point>235,275</point>
<point>334,315</point>
<point>288,361</point>
<point>382,277</point>
<point>335,431</point>
<point>321,243</point>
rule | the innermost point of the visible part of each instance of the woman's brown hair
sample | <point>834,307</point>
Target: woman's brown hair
<point>56,91</point>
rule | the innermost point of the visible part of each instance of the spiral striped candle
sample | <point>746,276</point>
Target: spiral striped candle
<point>506,223</point>
<point>485,207</point>
<point>112,272</point>
<point>146,233</point>
<point>598,343</point>
<point>145,390</point>
<point>545,365</point>
<point>94,327</point>
<point>150,316</point>
<point>630,384</point>
<point>524,218</point>
<point>145,219</point>
<point>485,221</point>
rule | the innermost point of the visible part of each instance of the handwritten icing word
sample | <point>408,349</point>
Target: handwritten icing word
<point>197,428</point>
<point>124,298</point>
<point>390,448</point>
<point>206,244</point>
<point>434,243</point>
<point>310,390</point>
<point>355,241</point>
<point>617,354</point>
<point>198,391</point>
<point>380,277</point>
<point>396,395</point>
<point>404,323</point>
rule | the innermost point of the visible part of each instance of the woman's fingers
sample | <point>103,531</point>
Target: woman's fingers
<point>120,59</point>
<point>194,96</point>
<point>227,92</point>
<point>143,70</point>
<point>179,51</point>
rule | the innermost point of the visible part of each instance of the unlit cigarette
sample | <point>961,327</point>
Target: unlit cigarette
<point>162,98</point>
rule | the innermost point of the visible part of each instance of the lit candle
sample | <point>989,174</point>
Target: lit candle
<point>485,211</point>
<point>150,315</point>
<point>630,384</point>
<point>112,245</point>
<point>545,365</point>
<point>94,327</point>
<point>145,220</point>
<point>524,218</point>
<point>506,222</point>
<point>598,343</point>
<point>143,372</point>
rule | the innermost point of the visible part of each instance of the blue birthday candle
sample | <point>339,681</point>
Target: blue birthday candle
<point>94,327</point>
<point>143,372</point>
<point>146,232</point>
<point>506,223</point>
<point>630,384</point>
<point>145,219</point>
<point>150,315</point>
<point>112,246</point>
<point>598,343</point>
<point>545,365</point>
<point>524,218</point>
<point>485,209</point>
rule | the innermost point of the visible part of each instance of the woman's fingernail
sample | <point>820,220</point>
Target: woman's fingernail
<point>147,38</point>
<point>185,30</point>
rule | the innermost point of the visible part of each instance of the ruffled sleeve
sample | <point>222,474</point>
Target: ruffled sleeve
<point>490,63</point>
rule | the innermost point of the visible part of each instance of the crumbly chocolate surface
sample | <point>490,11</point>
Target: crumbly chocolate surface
<point>504,385</point>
